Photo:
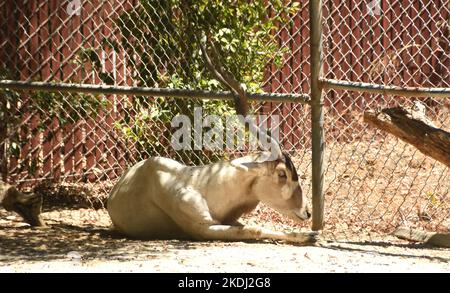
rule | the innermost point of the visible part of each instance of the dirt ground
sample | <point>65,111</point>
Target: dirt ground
<point>372,185</point>
<point>79,240</point>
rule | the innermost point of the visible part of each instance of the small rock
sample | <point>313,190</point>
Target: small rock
<point>42,247</point>
<point>74,255</point>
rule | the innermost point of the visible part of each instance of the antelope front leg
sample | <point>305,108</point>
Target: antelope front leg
<point>190,212</point>
<point>236,233</point>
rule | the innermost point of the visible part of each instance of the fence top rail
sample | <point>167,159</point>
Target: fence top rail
<point>386,89</point>
<point>146,91</point>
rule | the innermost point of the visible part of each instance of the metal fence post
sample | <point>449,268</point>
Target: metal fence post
<point>3,137</point>
<point>318,144</point>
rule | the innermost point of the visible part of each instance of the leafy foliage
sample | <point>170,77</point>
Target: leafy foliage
<point>161,38</point>
<point>49,108</point>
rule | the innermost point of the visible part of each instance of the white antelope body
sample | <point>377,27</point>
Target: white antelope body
<point>159,198</point>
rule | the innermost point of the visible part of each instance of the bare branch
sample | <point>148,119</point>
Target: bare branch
<point>412,126</point>
<point>214,64</point>
<point>229,78</point>
<point>431,238</point>
<point>211,67</point>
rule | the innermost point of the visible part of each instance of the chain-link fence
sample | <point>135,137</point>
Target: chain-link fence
<point>131,43</point>
<point>371,177</point>
<point>82,142</point>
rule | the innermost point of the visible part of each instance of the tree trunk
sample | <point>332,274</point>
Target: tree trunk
<point>28,206</point>
<point>412,126</point>
<point>430,238</point>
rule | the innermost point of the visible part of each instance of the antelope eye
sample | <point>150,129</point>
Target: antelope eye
<point>281,174</point>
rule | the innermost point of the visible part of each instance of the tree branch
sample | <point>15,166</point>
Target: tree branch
<point>215,66</point>
<point>26,205</point>
<point>213,63</point>
<point>412,126</point>
<point>431,238</point>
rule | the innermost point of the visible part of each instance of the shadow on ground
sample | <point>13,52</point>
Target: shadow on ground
<point>56,241</point>
<point>86,233</point>
<point>390,249</point>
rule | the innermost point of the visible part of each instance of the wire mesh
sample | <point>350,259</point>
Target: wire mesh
<point>375,180</point>
<point>74,146</point>
<point>84,142</point>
